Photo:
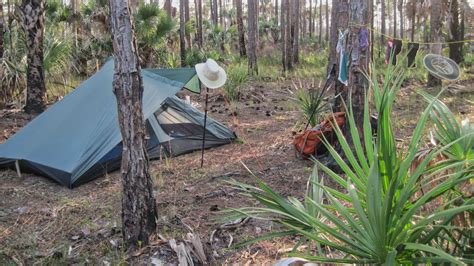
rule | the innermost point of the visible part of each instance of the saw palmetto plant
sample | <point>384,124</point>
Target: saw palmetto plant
<point>379,216</point>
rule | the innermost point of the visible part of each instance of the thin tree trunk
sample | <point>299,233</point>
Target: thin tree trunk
<point>413,16</point>
<point>215,17</point>
<point>199,30</point>
<point>187,18</point>
<point>221,14</point>
<point>339,20</point>
<point>182,32</point>
<point>402,21</point>
<point>310,18</point>
<point>455,48</point>
<point>240,28</point>
<point>33,23</point>
<point>283,33</point>
<point>320,21</point>
<point>462,26</point>
<point>382,27</point>
<point>252,32</point>
<point>435,29</point>
<point>327,21</point>
<point>168,8</point>
<point>394,18</point>
<point>358,83</point>
<point>139,211</point>
<point>276,11</point>
<point>296,32</point>
<point>2,29</point>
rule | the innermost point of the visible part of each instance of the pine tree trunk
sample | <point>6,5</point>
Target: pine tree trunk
<point>199,22</point>
<point>455,48</point>
<point>394,18</point>
<point>240,28</point>
<point>289,35</point>
<point>283,33</point>
<point>339,20</point>
<point>296,32</point>
<point>2,29</point>
<point>382,27</point>
<point>327,21</point>
<point>33,23</point>
<point>360,58</point>
<point>320,21</point>
<point>221,14</point>
<point>413,8</point>
<point>215,17</point>
<point>276,11</point>
<point>402,21</point>
<point>252,36</point>
<point>168,8</point>
<point>310,18</point>
<point>187,18</point>
<point>182,32</point>
<point>139,211</point>
<point>435,29</point>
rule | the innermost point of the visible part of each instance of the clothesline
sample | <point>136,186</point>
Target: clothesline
<point>405,40</point>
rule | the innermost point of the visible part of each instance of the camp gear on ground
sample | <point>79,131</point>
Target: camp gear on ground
<point>211,74</point>
<point>310,141</point>
<point>78,138</point>
<point>441,67</point>
<point>394,47</point>
<point>412,51</point>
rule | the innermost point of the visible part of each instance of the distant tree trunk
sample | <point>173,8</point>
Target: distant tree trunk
<point>287,22</point>
<point>221,14</point>
<point>310,18</point>
<point>276,11</point>
<point>283,33</point>
<point>33,23</point>
<point>339,20</point>
<point>303,18</point>
<point>320,22</point>
<point>382,27</point>
<point>187,18</point>
<point>214,14</point>
<point>182,32</point>
<point>240,28</point>
<point>168,8</point>
<point>327,21</point>
<point>394,18</point>
<point>358,83</point>
<point>462,26</point>
<point>413,16</point>
<point>435,29</point>
<point>252,32</point>
<point>455,52</point>
<point>402,20</point>
<point>139,211</point>
<point>2,29</point>
<point>296,32</point>
<point>198,11</point>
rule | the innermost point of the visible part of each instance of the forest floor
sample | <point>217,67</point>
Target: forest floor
<point>43,222</point>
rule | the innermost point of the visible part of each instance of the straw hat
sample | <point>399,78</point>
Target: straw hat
<point>211,74</point>
<point>441,67</point>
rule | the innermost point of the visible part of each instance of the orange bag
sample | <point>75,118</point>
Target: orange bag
<point>309,142</point>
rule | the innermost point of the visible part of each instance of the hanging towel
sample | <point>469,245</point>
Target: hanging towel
<point>412,51</point>
<point>343,68</point>
<point>394,47</point>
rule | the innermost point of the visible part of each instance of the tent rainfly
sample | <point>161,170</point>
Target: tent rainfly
<point>78,138</point>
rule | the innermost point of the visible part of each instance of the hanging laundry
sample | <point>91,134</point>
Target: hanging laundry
<point>412,51</point>
<point>394,47</point>
<point>364,38</point>
<point>343,56</point>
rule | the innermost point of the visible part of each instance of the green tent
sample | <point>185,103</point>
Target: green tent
<point>78,138</point>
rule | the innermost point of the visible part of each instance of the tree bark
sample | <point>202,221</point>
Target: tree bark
<point>296,32</point>
<point>413,16</point>
<point>187,18</point>
<point>394,18</point>
<point>339,20</point>
<point>276,11</point>
<point>252,35</point>
<point>435,29</point>
<point>359,59</point>
<point>327,21</point>
<point>139,211</point>
<point>240,29</point>
<point>310,18</point>
<point>283,33</point>
<point>2,29</point>
<point>33,23</point>
<point>455,52</point>
<point>402,21</point>
<point>168,8</point>
<point>320,21</point>
<point>198,10</point>
<point>289,35</point>
<point>182,32</point>
<point>221,14</point>
<point>214,13</point>
<point>382,27</point>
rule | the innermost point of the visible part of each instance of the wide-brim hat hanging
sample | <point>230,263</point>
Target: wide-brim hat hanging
<point>441,67</point>
<point>211,74</point>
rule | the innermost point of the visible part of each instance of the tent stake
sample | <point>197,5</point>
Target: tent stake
<point>17,166</point>
<point>204,131</point>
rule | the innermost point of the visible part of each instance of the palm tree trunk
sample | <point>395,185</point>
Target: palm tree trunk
<point>435,29</point>
<point>33,23</point>
<point>182,32</point>
<point>139,211</point>
<point>240,28</point>
<point>252,32</point>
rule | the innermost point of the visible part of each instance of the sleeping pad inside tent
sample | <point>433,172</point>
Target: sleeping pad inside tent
<point>78,138</point>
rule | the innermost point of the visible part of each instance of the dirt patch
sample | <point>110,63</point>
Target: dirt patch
<point>41,221</point>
